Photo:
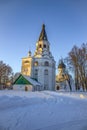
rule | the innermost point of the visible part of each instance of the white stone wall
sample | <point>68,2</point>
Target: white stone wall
<point>22,87</point>
<point>42,78</point>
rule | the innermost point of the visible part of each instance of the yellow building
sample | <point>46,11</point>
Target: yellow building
<point>27,65</point>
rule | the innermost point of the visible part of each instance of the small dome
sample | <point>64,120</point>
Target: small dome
<point>61,65</point>
<point>29,53</point>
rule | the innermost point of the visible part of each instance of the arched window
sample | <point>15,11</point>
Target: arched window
<point>46,79</point>
<point>36,63</point>
<point>26,61</point>
<point>53,65</point>
<point>36,74</point>
<point>40,46</point>
<point>44,46</point>
<point>25,71</point>
<point>45,72</point>
<point>46,63</point>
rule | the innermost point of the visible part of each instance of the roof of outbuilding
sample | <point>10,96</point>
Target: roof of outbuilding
<point>22,79</point>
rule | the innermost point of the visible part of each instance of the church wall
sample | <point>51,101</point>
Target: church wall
<point>51,78</point>
<point>45,79</point>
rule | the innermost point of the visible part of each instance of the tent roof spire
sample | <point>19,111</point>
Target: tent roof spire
<point>43,35</point>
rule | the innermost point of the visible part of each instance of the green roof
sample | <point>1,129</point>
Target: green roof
<point>22,80</point>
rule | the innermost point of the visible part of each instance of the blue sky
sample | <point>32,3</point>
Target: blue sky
<point>21,22</point>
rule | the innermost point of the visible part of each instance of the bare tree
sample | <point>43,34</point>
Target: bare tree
<point>5,73</point>
<point>77,62</point>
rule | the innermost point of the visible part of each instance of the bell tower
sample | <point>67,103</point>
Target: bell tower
<point>41,66</point>
<point>42,45</point>
<point>44,63</point>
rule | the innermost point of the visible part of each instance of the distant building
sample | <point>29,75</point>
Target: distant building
<point>41,65</point>
<point>63,79</point>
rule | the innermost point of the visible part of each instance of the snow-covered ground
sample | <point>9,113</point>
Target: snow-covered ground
<point>43,110</point>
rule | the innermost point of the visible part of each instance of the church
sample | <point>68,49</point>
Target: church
<point>38,70</point>
<point>41,65</point>
<point>63,78</point>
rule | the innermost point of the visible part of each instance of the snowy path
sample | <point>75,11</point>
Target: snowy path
<point>43,111</point>
<point>71,125</point>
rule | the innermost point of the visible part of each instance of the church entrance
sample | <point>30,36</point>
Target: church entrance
<point>58,87</point>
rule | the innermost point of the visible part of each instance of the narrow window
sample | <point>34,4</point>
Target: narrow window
<point>36,63</point>
<point>45,72</point>
<point>46,63</point>
<point>40,46</point>
<point>36,74</point>
<point>44,46</point>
